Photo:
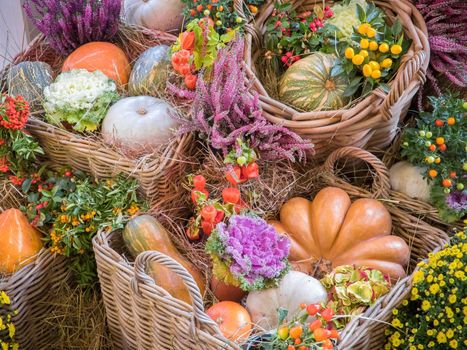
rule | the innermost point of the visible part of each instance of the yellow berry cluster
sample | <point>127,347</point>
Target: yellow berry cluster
<point>372,56</point>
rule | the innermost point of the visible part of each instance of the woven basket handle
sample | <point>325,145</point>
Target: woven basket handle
<point>381,185</point>
<point>145,258</point>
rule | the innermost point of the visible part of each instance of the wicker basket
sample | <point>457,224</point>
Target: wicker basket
<point>90,154</point>
<point>372,122</point>
<point>142,315</point>
<point>31,291</point>
<point>367,331</point>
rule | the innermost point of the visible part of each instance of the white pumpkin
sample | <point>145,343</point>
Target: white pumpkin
<point>294,289</point>
<point>164,15</point>
<point>408,179</point>
<point>139,124</point>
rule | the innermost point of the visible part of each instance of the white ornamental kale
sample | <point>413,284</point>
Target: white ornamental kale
<point>80,98</point>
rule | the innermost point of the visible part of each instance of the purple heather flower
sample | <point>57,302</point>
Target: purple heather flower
<point>457,200</point>
<point>255,250</point>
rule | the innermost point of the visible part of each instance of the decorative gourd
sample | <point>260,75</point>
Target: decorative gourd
<point>225,292</point>
<point>29,79</point>
<point>144,233</point>
<point>295,288</point>
<point>103,56</point>
<point>332,231</point>
<point>139,123</point>
<point>308,84</point>
<point>149,73</point>
<point>233,319</point>
<point>163,15</point>
<point>20,242</point>
<point>408,179</point>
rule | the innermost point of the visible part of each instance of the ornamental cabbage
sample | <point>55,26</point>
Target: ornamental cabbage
<point>248,253</point>
<point>345,18</point>
<point>80,98</point>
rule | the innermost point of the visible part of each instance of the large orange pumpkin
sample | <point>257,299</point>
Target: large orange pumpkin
<point>103,56</point>
<point>19,241</point>
<point>233,319</point>
<point>333,231</point>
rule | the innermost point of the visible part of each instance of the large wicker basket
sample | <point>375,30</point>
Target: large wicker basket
<point>90,154</point>
<point>143,316</point>
<point>32,291</point>
<point>372,122</point>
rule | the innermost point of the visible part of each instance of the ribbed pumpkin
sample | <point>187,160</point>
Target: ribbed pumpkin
<point>145,233</point>
<point>308,85</point>
<point>103,56</point>
<point>29,79</point>
<point>19,241</point>
<point>331,231</point>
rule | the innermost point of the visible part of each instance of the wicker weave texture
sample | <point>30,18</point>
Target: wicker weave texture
<point>143,316</point>
<point>372,122</point>
<point>32,290</point>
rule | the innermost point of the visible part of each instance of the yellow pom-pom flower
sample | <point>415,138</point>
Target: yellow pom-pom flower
<point>373,46</point>
<point>367,70</point>
<point>396,49</point>
<point>376,74</point>
<point>383,48</point>
<point>387,63</point>
<point>358,60</point>
<point>349,53</point>
<point>364,43</point>
<point>363,28</point>
<point>374,65</point>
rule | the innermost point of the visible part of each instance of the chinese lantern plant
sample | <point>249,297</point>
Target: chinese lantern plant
<point>374,52</point>
<point>438,145</point>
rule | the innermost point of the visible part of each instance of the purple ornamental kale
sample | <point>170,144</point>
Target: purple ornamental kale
<point>257,253</point>
<point>68,24</point>
<point>446,21</point>
<point>457,200</point>
<point>224,109</point>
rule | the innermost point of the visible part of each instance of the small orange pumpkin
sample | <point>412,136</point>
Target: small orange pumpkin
<point>103,56</point>
<point>233,319</point>
<point>334,231</point>
<point>224,292</point>
<point>20,242</point>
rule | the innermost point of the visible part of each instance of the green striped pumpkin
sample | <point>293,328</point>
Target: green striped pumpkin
<point>308,85</point>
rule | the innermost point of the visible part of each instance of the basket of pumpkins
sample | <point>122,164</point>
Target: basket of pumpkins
<point>97,90</point>
<point>320,271</point>
<point>338,73</point>
<point>30,276</point>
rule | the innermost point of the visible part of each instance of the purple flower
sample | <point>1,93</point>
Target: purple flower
<point>253,250</point>
<point>457,200</point>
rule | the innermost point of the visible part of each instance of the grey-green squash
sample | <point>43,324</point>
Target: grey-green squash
<point>308,85</point>
<point>149,73</point>
<point>29,79</point>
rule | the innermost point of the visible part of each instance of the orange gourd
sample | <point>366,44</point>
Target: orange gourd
<point>233,319</point>
<point>144,233</point>
<point>19,241</point>
<point>333,231</point>
<point>103,56</point>
<point>226,292</point>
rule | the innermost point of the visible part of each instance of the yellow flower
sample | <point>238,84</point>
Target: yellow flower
<point>371,33</point>
<point>4,298</point>
<point>453,344</point>
<point>413,347</point>
<point>431,344</point>
<point>418,276</point>
<point>441,338</point>
<point>373,46</point>
<point>429,278</point>
<point>349,53</point>
<point>4,346</point>
<point>396,49</point>
<point>383,48</point>
<point>396,323</point>
<point>358,60</point>
<point>426,305</point>
<point>449,333</point>
<point>434,288</point>
<point>395,312</point>
<point>364,43</point>
<point>452,298</point>
<point>405,302</point>
<point>430,332</point>
<point>367,70</point>
<point>459,274</point>
<point>363,29</point>
<point>420,346</point>
<point>376,74</point>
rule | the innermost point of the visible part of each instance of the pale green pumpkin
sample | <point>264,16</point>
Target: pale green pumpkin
<point>308,85</point>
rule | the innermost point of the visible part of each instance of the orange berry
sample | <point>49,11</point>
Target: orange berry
<point>437,160</point>
<point>209,7</point>
<point>442,147</point>
<point>327,344</point>
<point>447,183</point>
<point>451,121</point>
<point>439,140</point>
<point>334,334</point>
<point>303,306</point>
<point>432,148</point>
<point>439,122</point>
<point>297,341</point>
<point>291,347</point>
<point>199,8</point>
<point>192,12</point>
<point>303,347</point>
<point>452,174</point>
<point>296,332</point>
<point>320,334</point>
<point>433,173</point>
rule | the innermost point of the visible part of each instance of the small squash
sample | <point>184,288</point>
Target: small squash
<point>139,124</point>
<point>408,179</point>
<point>103,56</point>
<point>20,242</point>
<point>163,15</point>
<point>28,79</point>
<point>149,73</point>
<point>226,292</point>
<point>233,319</point>
<point>295,288</point>
<point>332,231</point>
<point>144,233</point>
<point>309,86</point>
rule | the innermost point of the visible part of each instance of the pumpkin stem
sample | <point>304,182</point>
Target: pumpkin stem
<point>329,84</point>
<point>142,111</point>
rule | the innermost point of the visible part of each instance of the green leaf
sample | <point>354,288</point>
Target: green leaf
<point>353,87</point>
<point>361,13</point>
<point>337,70</point>
<point>281,314</point>
<point>26,185</point>
<point>396,28</point>
<point>385,87</point>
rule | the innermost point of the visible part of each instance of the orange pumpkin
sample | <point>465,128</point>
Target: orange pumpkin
<point>20,242</point>
<point>233,319</point>
<point>333,231</point>
<point>224,291</point>
<point>103,56</point>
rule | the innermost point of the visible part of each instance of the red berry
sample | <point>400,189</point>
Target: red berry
<point>439,122</point>
<point>284,59</point>
<point>190,81</point>
<point>234,176</point>
<point>68,174</point>
<point>289,54</point>
<point>231,195</point>
<point>327,314</point>
<point>219,216</point>
<point>315,325</point>
<point>207,227</point>
<point>199,182</point>
<point>209,213</point>
<point>334,334</point>
<point>250,171</point>
<point>184,69</point>
<point>313,309</point>
<point>442,147</point>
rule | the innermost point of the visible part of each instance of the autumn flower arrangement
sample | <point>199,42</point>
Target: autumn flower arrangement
<point>18,150</point>
<point>438,144</point>
<point>435,315</point>
<point>7,327</point>
<point>70,208</point>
